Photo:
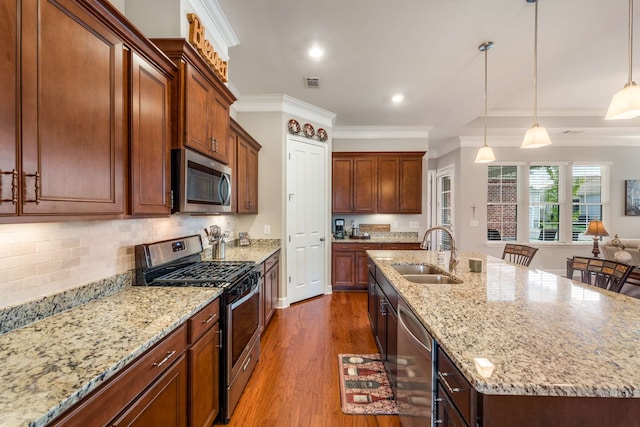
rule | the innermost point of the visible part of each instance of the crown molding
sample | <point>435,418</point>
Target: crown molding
<point>381,132</point>
<point>558,140</point>
<point>284,104</point>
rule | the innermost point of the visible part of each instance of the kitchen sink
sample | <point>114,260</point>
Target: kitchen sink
<point>415,269</point>
<point>429,278</point>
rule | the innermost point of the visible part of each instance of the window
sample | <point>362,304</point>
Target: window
<point>586,192</point>
<point>544,203</point>
<point>502,203</point>
<point>445,208</point>
<point>556,201</point>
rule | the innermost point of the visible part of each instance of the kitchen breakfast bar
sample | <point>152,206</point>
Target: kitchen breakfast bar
<point>564,353</point>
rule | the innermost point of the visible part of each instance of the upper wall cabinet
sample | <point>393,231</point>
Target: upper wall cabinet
<point>245,172</point>
<point>200,102</point>
<point>389,182</point>
<point>70,97</point>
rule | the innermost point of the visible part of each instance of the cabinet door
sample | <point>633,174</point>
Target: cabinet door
<point>343,273</point>
<point>199,100</point>
<point>9,194</point>
<point>392,347</point>
<point>219,129</point>
<point>410,185</point>
<point>371,304</point>
<point>247,172</point>
<point>150,139</point>
<point>381,322</point>
<point>204,388</point>
<point>275,280</point>
<point>342,185</point>
<point>72,112</point>
<point>163,404</point>
<point>362,270</point>
<point>388,185</point>
<point>252,179</point>
<point>364,184</point>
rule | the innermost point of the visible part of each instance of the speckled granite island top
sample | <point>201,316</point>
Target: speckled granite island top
<point>545,334</point>
<point>51,364</point>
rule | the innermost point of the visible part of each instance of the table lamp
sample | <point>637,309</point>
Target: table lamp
<point>596,229</point>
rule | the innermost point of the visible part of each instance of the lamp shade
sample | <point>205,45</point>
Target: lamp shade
<point>485,155</point>
<point>535,137</point>
<point>625,104</point>
<point>596,228</point>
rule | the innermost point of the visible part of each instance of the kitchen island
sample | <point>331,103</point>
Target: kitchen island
<point>564,353</point>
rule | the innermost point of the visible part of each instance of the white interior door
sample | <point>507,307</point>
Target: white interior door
<point>306,219</point>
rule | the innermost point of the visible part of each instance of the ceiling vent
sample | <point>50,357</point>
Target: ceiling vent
<point>311,82</point>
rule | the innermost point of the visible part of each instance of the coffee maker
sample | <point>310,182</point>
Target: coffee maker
<point>339,234</point>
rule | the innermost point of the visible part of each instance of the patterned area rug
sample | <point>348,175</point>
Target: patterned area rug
<point>364,385</point>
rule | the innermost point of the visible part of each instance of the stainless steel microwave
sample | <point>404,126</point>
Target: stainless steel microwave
<point>200,184</point>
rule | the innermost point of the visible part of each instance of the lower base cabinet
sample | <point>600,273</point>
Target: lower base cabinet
<point>269,291</point>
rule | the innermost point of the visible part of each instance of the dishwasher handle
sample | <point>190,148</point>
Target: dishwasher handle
<point>405,317</point>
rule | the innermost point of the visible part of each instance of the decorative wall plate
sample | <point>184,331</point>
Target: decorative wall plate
<point>294,127</point>
<point>322,135</point>
<point>309,131</point>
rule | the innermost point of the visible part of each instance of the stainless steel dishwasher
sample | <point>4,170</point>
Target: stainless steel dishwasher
<point>415,370</point>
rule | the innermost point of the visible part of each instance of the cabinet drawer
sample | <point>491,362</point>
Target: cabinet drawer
<point>455,385</point>
<point>355,247</point>
<point>110,399</point>
<point>270,262</point>
<point>446,413</point>
<point>200,322</point>
<point>399,246</point>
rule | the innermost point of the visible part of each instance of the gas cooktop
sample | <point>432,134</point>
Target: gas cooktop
<point>207,271</point>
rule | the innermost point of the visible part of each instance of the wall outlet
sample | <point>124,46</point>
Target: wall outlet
<point>474,223</point>
<point>414,224</point>
<point>267,229</point>
<point>395,224</point>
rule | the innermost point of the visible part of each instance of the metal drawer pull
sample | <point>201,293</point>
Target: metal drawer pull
<point>438,422</point>
<point>244,368</point>
<point>37,187</point>
<point>14,186</point>
<point>213,316</point>
<point>220,339</point>
<point>167,357</point>
<point>442,376</point>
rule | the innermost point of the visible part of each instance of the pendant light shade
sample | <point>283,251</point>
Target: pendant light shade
<point>485,154</point>
<point>536,135</point>
<point>625,104</point>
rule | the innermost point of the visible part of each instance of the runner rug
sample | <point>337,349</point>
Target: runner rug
<point>364,385</point>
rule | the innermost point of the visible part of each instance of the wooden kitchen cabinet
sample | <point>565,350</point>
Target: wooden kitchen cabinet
<point>200,102</point>
<point>380,182</point>
<point>204,365</point>
<point>269,291</point>
<point>246,170</point>
<point>150,148</point>
<point>349,268</point>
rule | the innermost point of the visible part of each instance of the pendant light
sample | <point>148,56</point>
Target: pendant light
<point>625,104</point>
<point>485,154</point>
<point>536,135</point>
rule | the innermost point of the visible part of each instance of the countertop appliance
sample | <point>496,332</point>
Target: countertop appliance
<point>415,381</point>
<point>339,234</point>
<point>200,184</point>
<point>177,262</point>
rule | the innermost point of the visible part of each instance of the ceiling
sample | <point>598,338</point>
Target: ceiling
<point>428,50</point>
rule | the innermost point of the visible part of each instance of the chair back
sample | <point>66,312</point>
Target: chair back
<point>603,273</point>
<point>519,254</point>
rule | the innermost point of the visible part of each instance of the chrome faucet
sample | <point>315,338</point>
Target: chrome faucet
<point>453,258</point>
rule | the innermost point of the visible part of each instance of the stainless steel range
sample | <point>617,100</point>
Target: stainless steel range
<point>177,262</point>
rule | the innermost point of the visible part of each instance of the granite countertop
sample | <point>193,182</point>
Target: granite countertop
<point>49,365</point>
<point>258,251</point>
<point>545,334</point>
<point>383,237</point>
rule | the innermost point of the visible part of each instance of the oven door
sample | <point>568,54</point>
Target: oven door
<point>242,328</point>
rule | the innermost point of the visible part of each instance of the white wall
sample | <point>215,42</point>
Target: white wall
<point>45,258</point>
<point>470,189</point>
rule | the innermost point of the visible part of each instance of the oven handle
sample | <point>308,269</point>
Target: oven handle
<point>254,290</point>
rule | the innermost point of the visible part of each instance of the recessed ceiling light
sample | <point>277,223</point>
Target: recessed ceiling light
<point>315,52</point>
<point>397,98</point>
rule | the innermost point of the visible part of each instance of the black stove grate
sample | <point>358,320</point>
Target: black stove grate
<point>208,272</point>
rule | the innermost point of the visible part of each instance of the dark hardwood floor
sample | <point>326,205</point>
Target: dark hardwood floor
<point>296,381</point>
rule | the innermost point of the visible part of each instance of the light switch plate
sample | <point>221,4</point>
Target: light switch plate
<point>414,224</point>
<point>267,229</point>
<point>474,223</point>
<point>395,224</point>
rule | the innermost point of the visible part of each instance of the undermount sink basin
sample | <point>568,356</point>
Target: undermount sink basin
<point>415,269</point>
<point>429,278</point>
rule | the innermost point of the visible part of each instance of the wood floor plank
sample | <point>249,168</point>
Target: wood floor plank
<point>296,384</point>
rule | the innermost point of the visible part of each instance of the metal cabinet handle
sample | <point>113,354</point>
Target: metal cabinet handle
<point>442,376</point>
<point>14,186</point>
<point>246,364</point>
<point>37,187</point>
<point>383,307</point>
<point>167,357</point>
<point>220,339</point>
<point>213,316</point>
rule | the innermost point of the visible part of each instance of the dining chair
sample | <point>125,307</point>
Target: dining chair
<point>603,273</point>
<point>518,254</point>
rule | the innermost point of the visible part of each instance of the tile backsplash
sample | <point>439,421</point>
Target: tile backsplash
<point>41,259</point>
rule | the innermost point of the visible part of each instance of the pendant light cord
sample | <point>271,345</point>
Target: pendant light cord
<point>630,41</point>
<point>485,96</point>
<point>535,69</point>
